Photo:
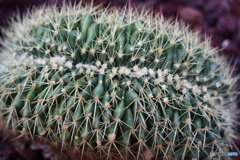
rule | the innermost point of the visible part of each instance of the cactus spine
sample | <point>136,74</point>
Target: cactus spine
<point>116,83</point>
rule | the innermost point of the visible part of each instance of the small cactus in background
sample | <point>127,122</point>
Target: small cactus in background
<point>116,83</point>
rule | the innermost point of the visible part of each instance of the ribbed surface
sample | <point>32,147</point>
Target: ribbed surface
<point>116,82</point>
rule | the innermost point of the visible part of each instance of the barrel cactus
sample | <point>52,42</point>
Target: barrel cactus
<point>115,83</point>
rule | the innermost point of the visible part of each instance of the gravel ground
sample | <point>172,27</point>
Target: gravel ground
<point>219,19</point>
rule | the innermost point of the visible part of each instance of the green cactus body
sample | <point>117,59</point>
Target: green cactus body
<point>116,83</point>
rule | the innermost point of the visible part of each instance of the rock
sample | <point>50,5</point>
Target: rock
<point>227,25</point>
<point>168,9</point>
<point>212,10</point>
<point>190,14</point>
<point>195,3</point>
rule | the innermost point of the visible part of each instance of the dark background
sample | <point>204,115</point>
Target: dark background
<point>219,19</point>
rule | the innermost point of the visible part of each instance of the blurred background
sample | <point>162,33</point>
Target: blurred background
<point>219,19</point>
